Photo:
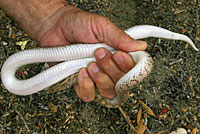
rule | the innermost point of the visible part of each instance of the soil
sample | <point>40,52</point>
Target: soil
<point>172,91</point>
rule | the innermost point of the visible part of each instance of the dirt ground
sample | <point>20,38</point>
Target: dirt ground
<point>172,91</point>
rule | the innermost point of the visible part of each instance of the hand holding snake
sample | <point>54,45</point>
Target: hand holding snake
<point>76,26</point>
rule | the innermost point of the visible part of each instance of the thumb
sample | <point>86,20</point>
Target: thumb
<point>113,36</point>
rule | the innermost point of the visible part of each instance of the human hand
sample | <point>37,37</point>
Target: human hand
<point>77,26</point>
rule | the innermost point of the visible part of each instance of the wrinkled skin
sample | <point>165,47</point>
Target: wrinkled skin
<point>77,26</point>
<point>55,23</point>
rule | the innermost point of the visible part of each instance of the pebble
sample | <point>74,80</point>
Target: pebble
<point>189,131</point>
<point>5,43</point>
<point>178,116</point>
<point>46,66</point>
<point>179,131</point>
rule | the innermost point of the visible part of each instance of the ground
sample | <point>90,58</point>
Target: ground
<point>172,91</point>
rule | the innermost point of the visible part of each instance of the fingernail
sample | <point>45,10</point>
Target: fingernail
<point>119,59</point>
<point>94,68</point>
<point>84,72</point>
<point>100,53</point>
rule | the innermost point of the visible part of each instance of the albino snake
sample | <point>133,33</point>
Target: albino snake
<point>78,56</point>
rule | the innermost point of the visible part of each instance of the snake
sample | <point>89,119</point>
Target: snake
<point>77,56</point>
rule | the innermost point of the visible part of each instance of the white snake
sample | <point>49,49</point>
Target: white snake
<point>78,56</point>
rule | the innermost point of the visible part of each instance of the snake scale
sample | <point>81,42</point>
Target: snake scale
<point>78,56</point>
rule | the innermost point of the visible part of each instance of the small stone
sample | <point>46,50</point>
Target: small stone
<point>5,43</point>
<point>46,65</point>
<point>53,107</point>
<point>195,118</point>
<point>174,132</point>
<point>189,131</point>
<point>25,73</point>
<point>68,106</point>
<point>117,122</point>
<point>72,117</point>
<point>178,116</point>
<point>179,131</point>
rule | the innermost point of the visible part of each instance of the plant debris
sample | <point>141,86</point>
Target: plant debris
<point>168,99</point>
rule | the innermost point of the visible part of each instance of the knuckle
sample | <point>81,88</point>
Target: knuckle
<point>104,83</point>
<point>100,80</point>
<point>87,93</point>
<point>87,84</point>
<point>105,65</point>
<point>104,19</point>
<point>104,22</point>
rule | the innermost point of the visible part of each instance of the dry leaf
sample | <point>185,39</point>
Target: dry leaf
<point>83,132</point>
<point>184,109</point>
<point>149,111</point>
<point>186,46</point>
<point>40,114</point>
<point>174,70</point>
<point>183,31</point>
<point>190,78</point>
<point>22,44</point>
<point>195,118</point>
<point>37,127</point>
<point>139,115</point>
<point>52,107</point>
<point>194,130</point>
<point>164,110</point>
<point>68,106</point>
<point>25,34</point>
<point>141,127</point>
<point>13,36</point>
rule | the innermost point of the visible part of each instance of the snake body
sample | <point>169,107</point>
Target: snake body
<point>78,56</point>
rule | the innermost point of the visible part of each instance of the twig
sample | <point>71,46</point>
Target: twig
<point>177,61</point>
<point>22,119</point>
<point>127,119</point>
<point>68,119</point>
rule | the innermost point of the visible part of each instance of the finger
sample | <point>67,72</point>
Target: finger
<point>102,80</point>
<point>110,34</point>
<point>124,61</point>
<point>106,63</point>
<point>86,89</point>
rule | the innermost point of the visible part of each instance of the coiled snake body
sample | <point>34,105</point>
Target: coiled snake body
<point>78,56</point>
